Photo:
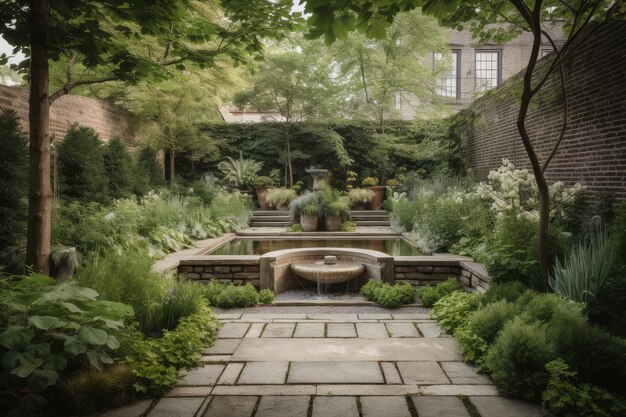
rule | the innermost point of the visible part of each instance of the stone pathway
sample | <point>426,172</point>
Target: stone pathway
<point>345,365</point>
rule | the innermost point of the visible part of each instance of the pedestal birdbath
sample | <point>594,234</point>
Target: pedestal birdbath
<point>318,175</point>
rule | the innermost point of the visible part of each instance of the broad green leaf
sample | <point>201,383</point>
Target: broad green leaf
<point>112,342</point>
<point>92,335</point>
<point>26,369</point>
<point>55,362</point>
<point>38,349</point>
<point>40,380</point>
<point>44,322</point>
<point>72,307</point>
<point>75,347</point>
<point>16,337</point>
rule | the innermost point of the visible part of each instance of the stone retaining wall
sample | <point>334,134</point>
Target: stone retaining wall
<point>235,270</point>
<point>431,270</point>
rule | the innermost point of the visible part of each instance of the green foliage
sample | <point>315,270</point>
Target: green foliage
<point>388,296</point>
<point>118,165</point>
<point>266,296</point>
<point>508,290</point>
<point>82,172</point>
<point>487,322</point>
<point>264,181</point>
<point>453,311</point>
<point>310,210</point>
<point>280,197</point>
<point>233,296</point>
<point>429,295</point>
<point>148,171</point>
<point>360,196</point>
<point>299,203</point>
<point>240,173</point>
<point>369,182</point>
<point>95,390</point>
<point>295,228</point>
<point>594,354</point>
<point>13,183</point>
<point>518,357</point>
<point>156,362</point>
<point>348,226</point>
<point>565,396</point>
<point>618,239</point>
<point>331,203</point>
<point>583,276</point>
<point>473,346</point>
<point>540,307</point>
<point>46,328</point>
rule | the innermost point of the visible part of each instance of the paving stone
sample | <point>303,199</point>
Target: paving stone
<point>415,316</point>
<point>374,316</point>
<point>371,330</point>
<point>335,373</point>
<point>206,375</point>
<point>430,329</point>
<point>227,316</point>
<point>402,330</point>
<point>340,330</point>
<point>391,373</point>
<point>309,330</point>
<point>278,330</point>
<point>223,347</point>
<point>135,409</point>
<point>440,406</point>
<point>422,373</point>
<point>333,317</point>
<point>353,389</point>
<point>267,389</point>
<point>273,316</point>
<point>255,330</point>
<point>231,406</point>
<point>264,373</point>
<point>233,330</point>
<point>463,373</point>
<point>230,374</point>
<point>283,406</point>
<point>215,358</point>
<point>335,407</point>
<point>190,391</point>
<point>334,349</point>
<point>178,407</point>
<point>505,407</point>
<point>385,406</point>
<point>453,389</point>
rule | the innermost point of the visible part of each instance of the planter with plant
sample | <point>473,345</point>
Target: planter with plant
<point>309,218</point>
<point>334,207</point>
<point>360,198</point>
<point>371,184</point>
<point>280,198</point>
<point>261,185</point>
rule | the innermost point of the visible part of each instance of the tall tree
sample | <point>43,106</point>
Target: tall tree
<point>495,21</point>
<point>95,34</point>
<point>294,84</point>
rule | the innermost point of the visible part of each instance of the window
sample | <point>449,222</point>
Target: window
<point>488,70</point>
<point>448,82</point>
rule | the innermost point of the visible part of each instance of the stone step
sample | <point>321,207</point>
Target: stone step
<point>271,224</point>
<point>272,213</point>
<point>368,212</point>
<point>370,218</point>
<point>270,219</point>
<point>373,223</point>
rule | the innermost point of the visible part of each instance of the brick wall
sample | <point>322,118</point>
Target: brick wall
<point>105,118</point>
<point>594,149</point>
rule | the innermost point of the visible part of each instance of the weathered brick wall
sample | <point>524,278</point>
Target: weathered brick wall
<point>105,118</point>
<point>233,271</point>
<point>594,149</point>
<point>431,270</point>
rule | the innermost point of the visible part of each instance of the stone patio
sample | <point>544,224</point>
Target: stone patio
<point>324,365</point>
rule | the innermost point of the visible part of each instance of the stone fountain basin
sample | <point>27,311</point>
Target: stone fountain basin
<point>324,273</point>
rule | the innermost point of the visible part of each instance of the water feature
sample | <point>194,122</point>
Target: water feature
<point>327,271</point>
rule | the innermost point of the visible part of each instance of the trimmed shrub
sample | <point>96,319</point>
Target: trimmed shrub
<point>539,307</point>
<point>13,185</point>
<point>234,296</point>
<point>453,311</point>
<point>518,357</point>
<point>266,296</point>
<point>429,295</point>
<point>82,173</point>
<point>488,322</point>
<point>119,169</point>
<point>370,287</point>
<point>509,291</point>
<point>388,296</point>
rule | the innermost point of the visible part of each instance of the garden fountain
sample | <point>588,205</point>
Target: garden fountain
<point>327,271</point>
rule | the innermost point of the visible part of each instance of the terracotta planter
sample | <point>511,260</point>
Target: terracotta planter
<point>333,223</point>
<point>260,195</point>
<point>308,223</point>
<point>379,196</point>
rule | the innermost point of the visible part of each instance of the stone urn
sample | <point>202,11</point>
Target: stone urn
<point>308,222</point>
<point>379,195</point>
<point>333,223</point>
<point>260,195</point>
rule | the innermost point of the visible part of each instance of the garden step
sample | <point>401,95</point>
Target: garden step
<point>375,218</point>
<point>372,223</point>
<point>271,224</point>
<point>367,212</point>
<point>269,218</point>
<point>273,213</point>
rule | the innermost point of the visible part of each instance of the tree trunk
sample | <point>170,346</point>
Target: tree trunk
<point>38,238</point>
<point>289,165</point>
<point>172,168</point>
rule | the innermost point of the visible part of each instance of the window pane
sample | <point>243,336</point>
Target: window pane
<point>487,67</point>
<point>447,82</point>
